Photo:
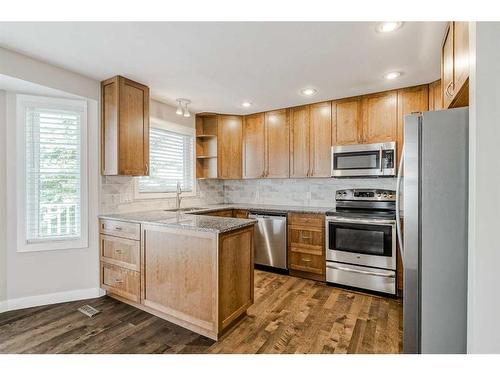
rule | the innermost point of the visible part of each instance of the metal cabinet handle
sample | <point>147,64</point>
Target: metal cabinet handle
<point>305,237</point>
<point>118,251</point>
<point>306,259</point>
<point>118,281</point>
<point>147,168</point>
<point>448,93</point>
<point>118,228</point>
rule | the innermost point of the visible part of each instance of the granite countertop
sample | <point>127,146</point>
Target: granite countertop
<point>183,220</point>
<point>188,219</point>
<point>263,207</point>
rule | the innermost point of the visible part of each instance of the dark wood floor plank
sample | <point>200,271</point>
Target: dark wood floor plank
<point>290,315</point>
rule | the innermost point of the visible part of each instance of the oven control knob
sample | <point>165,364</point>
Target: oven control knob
<point>385,195</point>
<point>379,195</point>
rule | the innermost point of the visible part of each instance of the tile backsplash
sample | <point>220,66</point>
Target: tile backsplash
<point>317,192</point>
<point>117,192</point>
<point>118,196</point>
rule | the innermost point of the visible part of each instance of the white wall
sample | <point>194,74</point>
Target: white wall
<point>48,276</point>
<point>484,188</point>
<point>3,201</point>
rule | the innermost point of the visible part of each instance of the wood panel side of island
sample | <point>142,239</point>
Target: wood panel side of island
<point>180,276</point>
<point>236,272</point>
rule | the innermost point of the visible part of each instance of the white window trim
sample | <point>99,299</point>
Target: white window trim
<point>167,125</point>
<point>50,244</point>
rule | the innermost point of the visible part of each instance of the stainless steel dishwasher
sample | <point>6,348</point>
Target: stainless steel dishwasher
<point>270,239</point>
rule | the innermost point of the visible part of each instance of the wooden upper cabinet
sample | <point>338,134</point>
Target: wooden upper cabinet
<point>455,65</point>
<point>277,144</point>
<point>320,139</point>
<point>447,67</point>
<point>229,146</point>
<point>380,117</point>
<point>124,128</point>
<point>410,100</point>
<point>347,122</point>
<point>435,96</point>
<point>299,142</point>
<point>254,134</point>
<point>461,64</point>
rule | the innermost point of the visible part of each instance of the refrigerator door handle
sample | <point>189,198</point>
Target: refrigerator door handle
<point>398,199</point>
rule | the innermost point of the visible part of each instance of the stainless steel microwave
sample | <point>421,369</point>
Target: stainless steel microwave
<point>364,160</point>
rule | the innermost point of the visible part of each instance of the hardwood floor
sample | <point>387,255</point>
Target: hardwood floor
<point>290,315</point>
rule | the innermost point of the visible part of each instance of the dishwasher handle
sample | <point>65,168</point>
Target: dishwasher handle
<point>267,215</point>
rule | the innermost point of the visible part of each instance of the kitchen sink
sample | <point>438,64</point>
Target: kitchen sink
<point>187,209</point>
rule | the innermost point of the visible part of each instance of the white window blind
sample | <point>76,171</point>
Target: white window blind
<point>53,156</point>
<point>170,160</point>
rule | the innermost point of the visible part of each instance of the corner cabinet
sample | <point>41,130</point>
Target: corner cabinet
<point>455,65</point>
<point>124,127</point>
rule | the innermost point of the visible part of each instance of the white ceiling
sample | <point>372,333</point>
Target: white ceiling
<point>218,65</point>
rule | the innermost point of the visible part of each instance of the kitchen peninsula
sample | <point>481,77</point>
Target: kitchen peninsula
<point>192,270</point>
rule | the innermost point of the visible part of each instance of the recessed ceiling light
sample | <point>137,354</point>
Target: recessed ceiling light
<point>246,104</point>
<point>308,91</point>
<point>392,75</point>
<point>387,27</point>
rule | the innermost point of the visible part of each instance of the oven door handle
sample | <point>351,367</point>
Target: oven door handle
<point>360,221</point>
<point>381,274</point>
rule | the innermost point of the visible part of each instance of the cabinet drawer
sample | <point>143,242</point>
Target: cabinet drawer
<point>120,251</point>
<point>311,220</point>
<point>120,281</point>
<point>120,229</point>
<point>306,236</point>
<point>307,263</point>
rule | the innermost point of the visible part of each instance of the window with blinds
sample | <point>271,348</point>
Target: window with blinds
<point>53,170</point>
<point>171,157</point>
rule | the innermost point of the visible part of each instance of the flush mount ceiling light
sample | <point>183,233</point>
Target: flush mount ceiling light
<point>182,107</point>
<point>387,27</point>
<point>308,91</point>
<point>392,75</point>
<point>246,104</point>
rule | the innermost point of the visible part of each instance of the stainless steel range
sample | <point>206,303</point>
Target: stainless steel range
<point>361,240</point>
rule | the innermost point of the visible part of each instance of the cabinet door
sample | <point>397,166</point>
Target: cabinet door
<point>229,142</point>
<point>299,142</point>
<point>347,124</point>
<point>447,67</point>
<point>380,117</point>
<point>133,127</point>
<point>277,144</point>
<point>320,139</point>
<point>253,146</point>
<point>435,97</point>
<point>413,99</point>
<point>460,55</point>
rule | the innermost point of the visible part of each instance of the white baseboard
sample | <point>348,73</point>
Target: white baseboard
<point>48,299</point>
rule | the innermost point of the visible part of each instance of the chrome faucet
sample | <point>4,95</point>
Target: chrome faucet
<point>178,197</point>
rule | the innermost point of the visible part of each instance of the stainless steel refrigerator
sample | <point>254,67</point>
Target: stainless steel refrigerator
<point>434,238</point>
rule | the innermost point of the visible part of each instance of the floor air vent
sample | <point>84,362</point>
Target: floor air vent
<point>88,310</point>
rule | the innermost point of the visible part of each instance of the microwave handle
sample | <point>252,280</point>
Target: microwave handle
<point>380,159</point>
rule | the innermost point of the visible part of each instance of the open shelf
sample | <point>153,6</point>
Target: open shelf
<point>206,146</point>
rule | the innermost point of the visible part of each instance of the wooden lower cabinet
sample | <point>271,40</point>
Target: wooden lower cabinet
<point>202,281</point>
<point>240,214</point>
<point>306,246</point>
